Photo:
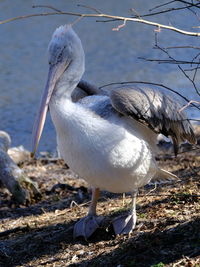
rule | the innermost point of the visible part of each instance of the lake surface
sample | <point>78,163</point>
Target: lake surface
<point>111,56</point>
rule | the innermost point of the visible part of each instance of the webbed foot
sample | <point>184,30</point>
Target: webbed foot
<point>124,224</point>
<point>87,226</point>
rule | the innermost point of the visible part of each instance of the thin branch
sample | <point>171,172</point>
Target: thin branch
<point>182,70</point>
<point>186,46</point>
<point>165,4</point>
<point>169,61</point>
<point>29,16</point>
<point>192,69</point>
<point>154,13</point>
<point>119,26</point>
<point>188,104</point>
<point>170,10</point>
<point>137,15</point>
<point>195,57</point>
<point>187,3</point>
<point>195,73</point>
<point>45,6</point>
<point>139,20</point>
<point>91,8</point>
<point>194,120</point>
<point>191,80</point>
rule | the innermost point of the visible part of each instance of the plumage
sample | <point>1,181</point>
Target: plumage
<point>156,110</point>
<point>108,139</point>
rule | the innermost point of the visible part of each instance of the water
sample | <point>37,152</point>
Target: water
<point>110,57</point>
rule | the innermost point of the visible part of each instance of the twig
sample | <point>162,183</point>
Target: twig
<point>194,120</point>
<point>153,14</point>
<point>92,8</point>
<point>186,46</point>
<point>188,104</point>
<point>132,9</point>
<point>50,7</point>
<point>195,72</point>
<point>191,69</point>
<point>137,15</point>
<point>195,57</point>
<point>169,10</point>
<point>153,189</point>
<point>188,77</point>
<point>173,60</point>
<point>169,61</point>
<point>156,7</point>
<point>187,3</point>
<point>119,26</point>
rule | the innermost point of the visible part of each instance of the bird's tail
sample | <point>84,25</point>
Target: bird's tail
<point>164,176</point>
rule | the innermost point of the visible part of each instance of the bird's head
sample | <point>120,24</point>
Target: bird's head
<point>65,55</point>
<point>65,46</point>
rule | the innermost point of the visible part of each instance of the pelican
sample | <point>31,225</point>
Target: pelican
<point>109,140</point>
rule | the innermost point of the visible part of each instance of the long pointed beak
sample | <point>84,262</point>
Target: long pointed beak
<point>55,71</point>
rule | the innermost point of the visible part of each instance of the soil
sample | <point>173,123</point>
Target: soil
<point>40,233</point>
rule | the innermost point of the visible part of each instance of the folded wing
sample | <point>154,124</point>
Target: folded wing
<point>156,110</point>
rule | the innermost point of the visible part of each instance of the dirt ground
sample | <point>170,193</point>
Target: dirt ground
<point>40,233</point>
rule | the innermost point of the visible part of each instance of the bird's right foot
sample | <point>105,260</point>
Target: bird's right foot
<point>86,226</point>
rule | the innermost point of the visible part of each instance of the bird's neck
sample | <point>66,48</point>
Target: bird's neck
<point>64,89</point>
<point>68,80</point>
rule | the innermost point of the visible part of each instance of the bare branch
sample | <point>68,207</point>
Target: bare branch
<point>91,8</point>
<point>29,16</point>
<point>192,69</point>
<point>182,70</point>
<point>84,15</point>
<point>119,26</point>
<point>137,15</point>
<point>186,46</point>
<point>169,61</point>
<point>188,104</point>
<point>191,80</point>
<point>170,10</point>
<point>195,73</point>
<point>165,4</point>
<point>45,6</point>
<point>187,3</point>
<point>197,55</point>
<point>155,13</point>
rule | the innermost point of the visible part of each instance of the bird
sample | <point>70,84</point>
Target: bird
<point>108,139</point>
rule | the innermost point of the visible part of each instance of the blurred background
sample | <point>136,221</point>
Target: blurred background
<point>111,56</point>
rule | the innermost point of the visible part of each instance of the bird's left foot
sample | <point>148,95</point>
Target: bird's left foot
<point>87,226</point>
<point>124,224</point>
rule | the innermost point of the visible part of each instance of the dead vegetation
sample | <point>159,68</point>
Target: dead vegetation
<point>40,232</point>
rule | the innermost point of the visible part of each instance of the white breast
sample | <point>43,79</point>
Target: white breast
<point>107,155</point>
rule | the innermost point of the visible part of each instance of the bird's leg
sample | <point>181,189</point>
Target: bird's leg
<point>87,226</point>
<point>93,204</point>
<point>125,224</point>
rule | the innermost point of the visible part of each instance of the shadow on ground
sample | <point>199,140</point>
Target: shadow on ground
<point>147,249</point>
<point>142,249</point>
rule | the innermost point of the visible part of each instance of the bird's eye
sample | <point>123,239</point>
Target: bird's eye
<point>60,56</point>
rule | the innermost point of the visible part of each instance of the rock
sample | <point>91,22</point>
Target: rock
<point>19,154</point>
<point>10,173</point>
<point>5,141</point>
<point>11,176</point>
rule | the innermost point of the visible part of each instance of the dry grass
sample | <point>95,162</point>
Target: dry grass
<point>40,233</point>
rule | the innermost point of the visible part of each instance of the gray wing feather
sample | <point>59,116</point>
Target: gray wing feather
<point>100,105</point>
<point>158,111</point>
